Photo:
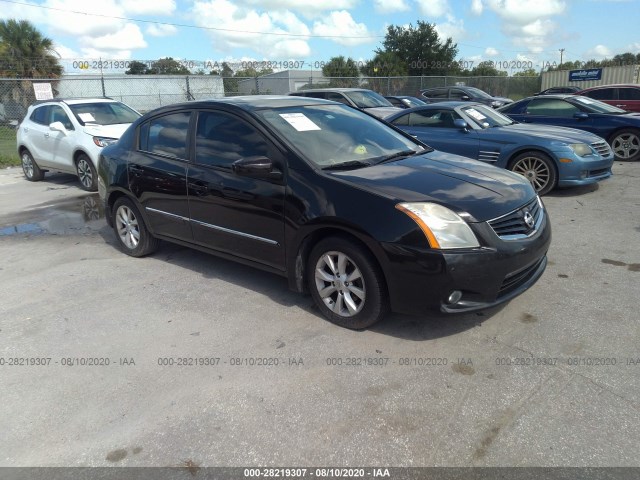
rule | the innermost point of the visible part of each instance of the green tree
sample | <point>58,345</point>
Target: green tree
<point>486,69</point>
<point>168,66</point>
<point>529,72</point>
<point>342,72</point>
<point>26,53</point>
<point>137,68</point>
<point>420,48</point>
<point>385,73</point>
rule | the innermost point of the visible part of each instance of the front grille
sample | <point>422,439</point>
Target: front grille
<point>602,148</point>
<point>597,173</point>
<point>514,280</point>
<point>513,225</point>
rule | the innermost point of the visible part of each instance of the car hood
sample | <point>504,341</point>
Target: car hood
<point>550,132</point>
<point>383,112</point>
<point>464,185</point>
<point>110,131</point>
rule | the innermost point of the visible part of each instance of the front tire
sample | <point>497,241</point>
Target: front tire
<point>538,168</point>
<point>346,283</point>
<point>131,231</point>
<point>626,144</point>
<point>30,168</point>
<point>86,173</point>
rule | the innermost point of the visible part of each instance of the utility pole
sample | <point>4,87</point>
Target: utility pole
<point>561,52</point>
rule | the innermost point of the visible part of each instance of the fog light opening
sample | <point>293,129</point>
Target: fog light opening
<point>454,297</point>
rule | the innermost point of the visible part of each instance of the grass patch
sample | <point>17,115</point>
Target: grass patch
<point>8,152</point>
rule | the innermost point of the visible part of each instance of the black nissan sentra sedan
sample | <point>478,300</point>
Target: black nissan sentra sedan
<point>359,214</point>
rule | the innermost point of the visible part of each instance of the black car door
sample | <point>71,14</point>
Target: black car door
<point>158,174</point>
<point>236,213</point>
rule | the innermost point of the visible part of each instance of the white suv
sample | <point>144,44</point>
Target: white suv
<point>67,135</point>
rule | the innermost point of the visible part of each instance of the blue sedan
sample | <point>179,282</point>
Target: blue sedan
<point>619,127</point>
<point>547,156</point>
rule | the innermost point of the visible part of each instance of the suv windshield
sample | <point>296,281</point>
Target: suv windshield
<point>368,99</point>
<point>103,113</point>
<point>329,135</point>
<point>596,106</point>
<point>486,117</point>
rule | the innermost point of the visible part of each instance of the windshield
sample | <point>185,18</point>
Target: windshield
<point>485,117</point>
<point>328,135</point>
<point>596,106</point>
<point>478,93</point>
<point>368,99</point>
<point>104,113</point>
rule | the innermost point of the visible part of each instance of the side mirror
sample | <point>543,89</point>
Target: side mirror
<point>466,98</point>
<point>57,127</point>
<point>461,124</point>
<point>259,166</point>
<point>581,115</point>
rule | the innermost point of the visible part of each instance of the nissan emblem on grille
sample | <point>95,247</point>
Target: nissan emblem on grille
<point>528,219</point>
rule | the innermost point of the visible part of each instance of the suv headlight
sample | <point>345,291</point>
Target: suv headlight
<point>443,228</point>
<point>104,141</point>
<point>581,149</point>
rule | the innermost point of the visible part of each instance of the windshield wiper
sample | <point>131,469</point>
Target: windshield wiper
<point>404,153</point>
<point>347,165</point>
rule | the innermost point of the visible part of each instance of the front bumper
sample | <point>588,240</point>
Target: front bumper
<point>422,279</point>
<point>584,172</point>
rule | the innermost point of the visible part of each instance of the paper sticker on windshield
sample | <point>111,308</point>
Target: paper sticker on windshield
<point>583,100</point>
<point>299,121</point>
<point>472,112</point>
<point>86,117</point>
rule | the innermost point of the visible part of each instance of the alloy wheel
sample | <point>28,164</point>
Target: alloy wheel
<point>535,170</point>
<point>127,227</point>
<point>340,284</point>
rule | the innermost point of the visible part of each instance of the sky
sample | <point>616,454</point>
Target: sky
<point>515,34</point>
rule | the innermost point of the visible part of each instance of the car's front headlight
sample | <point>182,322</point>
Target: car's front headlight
<point>104,141</point>
<point>581,149</point>
<point>442,227</point>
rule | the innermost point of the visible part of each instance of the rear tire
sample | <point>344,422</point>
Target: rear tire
<point>131,231</point>
<point>86,173</point>
<point>538,168</point>
<point>626,144</point>
<point>346,283</point>
<point>30,168</point>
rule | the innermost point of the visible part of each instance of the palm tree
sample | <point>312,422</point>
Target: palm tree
<point>25,52</point>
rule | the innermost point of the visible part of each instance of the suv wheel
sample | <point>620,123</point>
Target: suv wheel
<point>86,173</point>
<point>30,168</point>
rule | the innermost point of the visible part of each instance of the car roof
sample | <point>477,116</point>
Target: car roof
<point>613,85</point>
<point>74,100</point>
<point>345,89</point>
<point>252,102</point>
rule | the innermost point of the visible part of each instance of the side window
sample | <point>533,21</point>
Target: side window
<point>221,139</point>
<point>601,94</point>
<point>629,93</point>
<point>401,121</point>
<point>316,94</point>
<point>433,118</point>
<point>437,93</point>
<point>551,107</point>
<point>166,135</point>
<point>40,115</point>
<point>457,94</point>
<point>57,114</point>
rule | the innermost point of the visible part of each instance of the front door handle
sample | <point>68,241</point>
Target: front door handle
<point>620,106</point>
<point>46,135</point>
<point>136,170</point>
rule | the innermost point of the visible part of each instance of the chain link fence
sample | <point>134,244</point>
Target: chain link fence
<point>146,92</point>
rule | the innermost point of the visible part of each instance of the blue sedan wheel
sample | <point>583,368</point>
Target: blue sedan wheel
<point>538,169</point>
<point>626,145</point>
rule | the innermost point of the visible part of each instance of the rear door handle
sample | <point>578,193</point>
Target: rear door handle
<point>46,135</point>
<point>199,188</point>
<point>620,106</point>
